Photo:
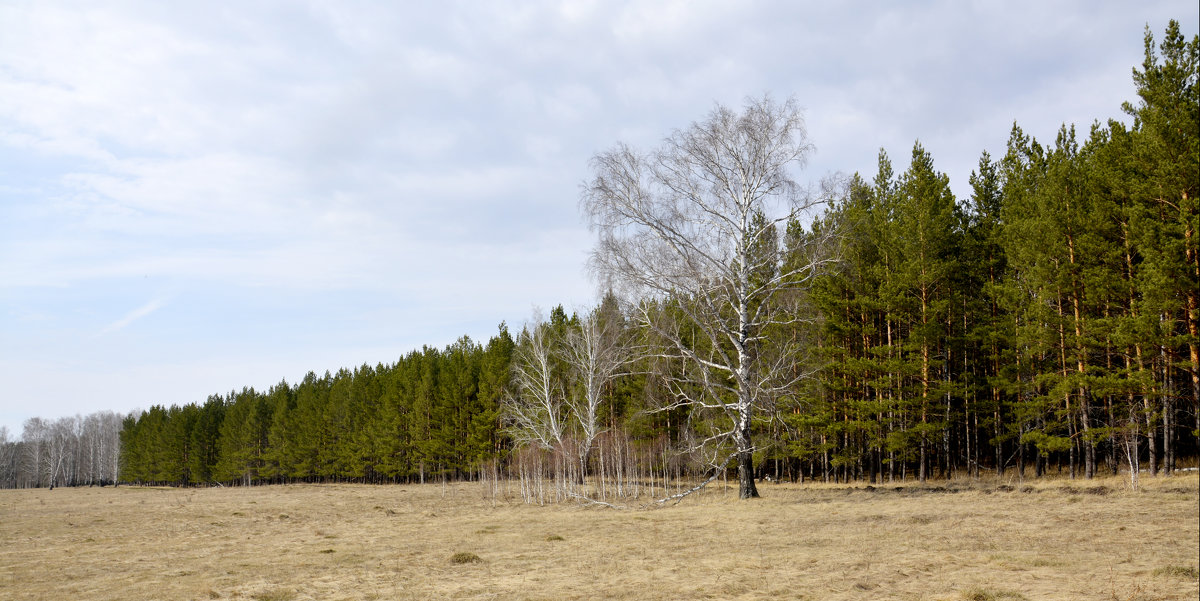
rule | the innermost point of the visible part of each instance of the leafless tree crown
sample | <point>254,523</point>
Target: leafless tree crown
<point>682,216</point>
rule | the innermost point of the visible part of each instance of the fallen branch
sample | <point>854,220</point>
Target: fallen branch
<point>591,501</point>
<point>679,497</point>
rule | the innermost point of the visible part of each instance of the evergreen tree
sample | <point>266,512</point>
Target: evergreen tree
<point>985,268</point>
<point>1167,149</point>
<point>927,244</point>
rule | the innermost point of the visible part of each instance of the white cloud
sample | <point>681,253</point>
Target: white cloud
<point>132,316</point>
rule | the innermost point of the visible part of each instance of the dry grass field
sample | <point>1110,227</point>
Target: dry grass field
<point>956,540</point>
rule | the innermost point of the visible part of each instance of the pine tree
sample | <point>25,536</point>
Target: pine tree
<point>1022,171</point>
<point>205,440</point>
<point>1167,148</point>
<point>986,267</point>
<point>927,228</point>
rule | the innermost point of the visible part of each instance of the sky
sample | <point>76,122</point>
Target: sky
<point>196,197</point>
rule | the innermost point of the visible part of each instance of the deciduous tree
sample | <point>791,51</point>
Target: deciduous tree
<point>681,224</point>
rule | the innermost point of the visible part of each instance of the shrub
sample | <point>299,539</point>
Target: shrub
<point>464,557</point>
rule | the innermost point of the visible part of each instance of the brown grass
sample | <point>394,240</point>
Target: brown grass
<point>951,541</point>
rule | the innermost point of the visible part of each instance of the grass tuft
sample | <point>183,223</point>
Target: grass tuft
<point>1185,572</point>
<point>554,537</point>
<point>463,557</point>
<point>987,594</point>
<point>276,595</point>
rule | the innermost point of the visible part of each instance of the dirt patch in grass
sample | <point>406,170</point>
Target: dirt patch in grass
<point>971,540</point>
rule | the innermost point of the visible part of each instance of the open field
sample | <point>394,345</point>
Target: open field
<point>960,540</point>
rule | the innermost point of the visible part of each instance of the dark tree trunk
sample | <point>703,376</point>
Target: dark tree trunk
<point>746,487</point>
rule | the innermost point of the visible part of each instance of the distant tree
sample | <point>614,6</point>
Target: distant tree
<point>242,448</point>
<point>62,443</point>
<point>8,460</point>
<point>535,409</point>
<point>483,442</point>
<point>595,353</point>
<point>204,440</point>
<point>103,432</point>
<point>34,461</point>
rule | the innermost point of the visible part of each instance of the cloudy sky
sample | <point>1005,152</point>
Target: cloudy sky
<point>201,196</point>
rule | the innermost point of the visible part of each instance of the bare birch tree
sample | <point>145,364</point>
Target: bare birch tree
<point>33,460</point>
<point>534,413</point>
<point>684,226</point>
<point>595,353</point>
<point>60,443</point>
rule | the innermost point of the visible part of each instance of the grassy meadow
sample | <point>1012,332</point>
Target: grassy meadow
<point>957,540</point>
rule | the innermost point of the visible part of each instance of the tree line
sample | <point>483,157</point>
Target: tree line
<point>432,414</point>
<point>1048,322</point>
<point>70,451</point>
